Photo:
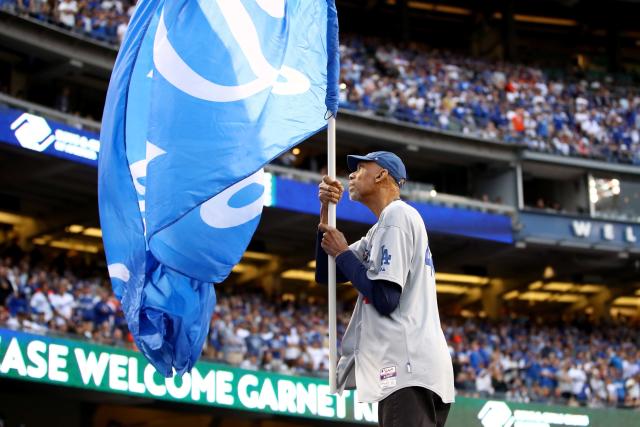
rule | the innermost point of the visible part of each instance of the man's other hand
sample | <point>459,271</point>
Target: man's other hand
<point>333,241</point>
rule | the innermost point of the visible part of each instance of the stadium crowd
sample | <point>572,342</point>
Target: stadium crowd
<point>503,102</point>
<point>104,20</point>
<point>515,104</point>
<point>513,359</point>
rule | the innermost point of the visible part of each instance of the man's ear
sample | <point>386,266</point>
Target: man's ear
<point>381,175</point>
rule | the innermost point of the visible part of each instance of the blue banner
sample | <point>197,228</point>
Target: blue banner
<point>203,94</point>
<point>303,197</point>
<point>579,231</point>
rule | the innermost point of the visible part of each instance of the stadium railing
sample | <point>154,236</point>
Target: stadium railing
<point>51,113</point>
<point>414,191</point>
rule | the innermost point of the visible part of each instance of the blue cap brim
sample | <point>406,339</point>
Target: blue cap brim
<point>353,160</point>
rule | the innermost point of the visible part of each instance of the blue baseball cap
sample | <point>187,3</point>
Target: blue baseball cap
<point>384,159</point>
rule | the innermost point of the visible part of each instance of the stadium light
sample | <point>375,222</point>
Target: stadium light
<point>450,289</point>
<point>536,285</point>
<point>13,219</point>
<point>623,311</point>
<point>74,246</point>
<point>42,240</point>
<point>462,278</point>
<point>93,232</point>
<point>260,256</point>
<point>239,268</point>
<point>74,228</point>
<point>546,20</point>
<point>564,287</point>
<point>304,275</point>
<point>559,286</point>
<point>535,296</point>
<point>451,10</point>
<point>627,301</point>
<point>511,295</point>
<point>587,289</point>
<point>566,298</point>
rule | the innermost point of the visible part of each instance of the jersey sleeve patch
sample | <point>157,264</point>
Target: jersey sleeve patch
<point>360,249</point>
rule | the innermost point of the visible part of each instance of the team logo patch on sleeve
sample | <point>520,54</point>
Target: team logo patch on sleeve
<point>385,258</point>
<point>428,259</point>
<point>388,377</point>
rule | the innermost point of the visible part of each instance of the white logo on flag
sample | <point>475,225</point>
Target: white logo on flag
<point>119,271</point>
<point>171,66</point>
<point>217,213</point>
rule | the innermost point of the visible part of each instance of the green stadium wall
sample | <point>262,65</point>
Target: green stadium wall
<point>74,363</point>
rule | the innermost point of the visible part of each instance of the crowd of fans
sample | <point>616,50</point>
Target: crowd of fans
<point>513,359</point>
<point>497,101</point>
<point>503,102</point>
<point>566,363</point>
<point>104,20</point>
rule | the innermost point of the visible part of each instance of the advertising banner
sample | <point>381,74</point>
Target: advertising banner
<point>303,197</point>
<point>42,135</point>
<point>564,229</point>
<point>79,364</point>
<point>36,133</point>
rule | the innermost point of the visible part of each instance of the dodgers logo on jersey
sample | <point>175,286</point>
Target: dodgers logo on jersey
<point>428,260</point>
<point>385,258</point>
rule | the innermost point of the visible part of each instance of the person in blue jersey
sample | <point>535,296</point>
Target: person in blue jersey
<point>393,351</point>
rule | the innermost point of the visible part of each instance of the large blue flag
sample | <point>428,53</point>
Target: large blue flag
<point>203,94</point>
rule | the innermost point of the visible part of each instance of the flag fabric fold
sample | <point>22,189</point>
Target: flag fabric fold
<point>203,94</point>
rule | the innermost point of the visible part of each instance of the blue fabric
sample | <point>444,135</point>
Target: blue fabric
<point>17,304</point>
<point>197,105</point>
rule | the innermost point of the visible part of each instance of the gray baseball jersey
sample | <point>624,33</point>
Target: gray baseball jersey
<point>382,354</point>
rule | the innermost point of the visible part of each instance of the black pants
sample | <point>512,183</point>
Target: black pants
<point>412,407</point>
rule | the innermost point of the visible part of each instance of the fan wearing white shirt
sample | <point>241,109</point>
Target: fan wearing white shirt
<point>67,10</point>
<point>40,303</point>
<point>62,302</point>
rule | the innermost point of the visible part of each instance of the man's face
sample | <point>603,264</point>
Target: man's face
<point>362,182</point>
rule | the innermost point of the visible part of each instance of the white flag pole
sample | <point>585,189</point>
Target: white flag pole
<point>333,335</point>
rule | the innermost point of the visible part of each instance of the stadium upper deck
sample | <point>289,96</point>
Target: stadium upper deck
<point>576,215</point>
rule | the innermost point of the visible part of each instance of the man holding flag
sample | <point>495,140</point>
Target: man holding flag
<point>203,94</point>
<point>393,351</point>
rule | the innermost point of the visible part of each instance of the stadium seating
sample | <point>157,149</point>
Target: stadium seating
<point>509,103</point>
<point>514,104</point>
<point>104,20</point>
<point>579,364</point>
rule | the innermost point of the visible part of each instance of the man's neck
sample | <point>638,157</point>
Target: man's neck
<point>378,202</point>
